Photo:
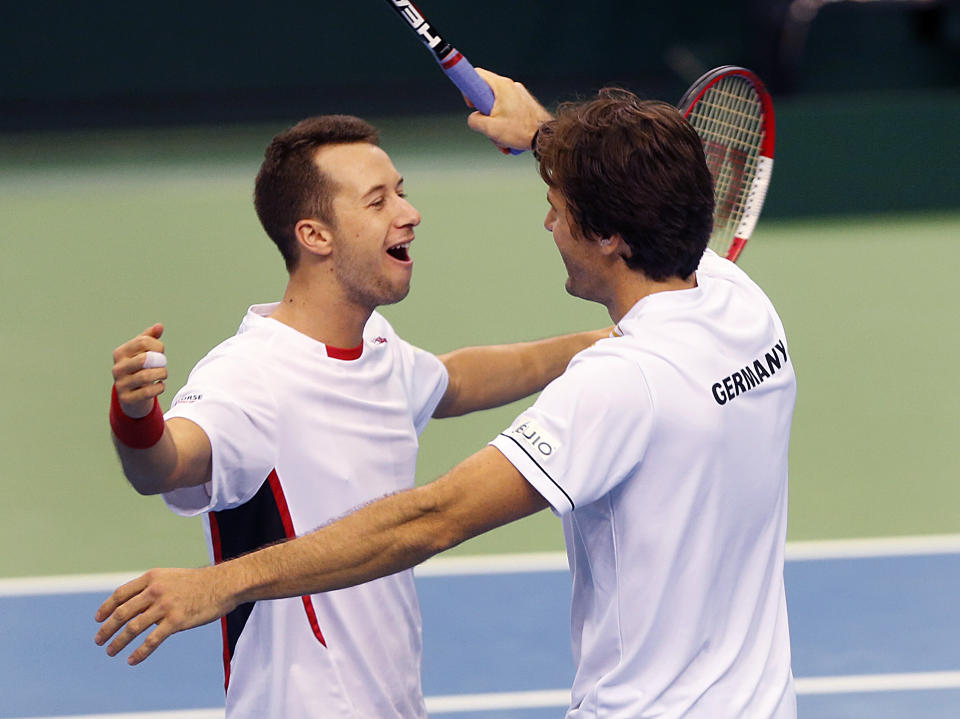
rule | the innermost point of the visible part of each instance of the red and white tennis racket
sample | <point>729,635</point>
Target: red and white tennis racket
<point>732,112</point>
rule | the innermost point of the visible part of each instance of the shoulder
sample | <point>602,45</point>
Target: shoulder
<point>240,366</point>
<point>607,373</point>
<point>239,352</point>
<point>381,335</point>
<point>615,356</point>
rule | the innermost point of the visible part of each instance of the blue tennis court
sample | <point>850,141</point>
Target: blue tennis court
<point>874,624</point>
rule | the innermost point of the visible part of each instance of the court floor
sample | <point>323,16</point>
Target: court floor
<point>874,624</point>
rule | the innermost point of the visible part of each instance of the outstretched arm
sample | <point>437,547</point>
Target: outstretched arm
<point>387,536</point>
<point>491,376</point>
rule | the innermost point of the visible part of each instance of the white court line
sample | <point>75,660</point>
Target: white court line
<point>494,564</point>
<point>529,562</point>
<point>457,703</point>
<point>854,683</point>
<point>874,547</point>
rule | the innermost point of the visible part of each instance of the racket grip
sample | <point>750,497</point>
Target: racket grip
<point>468,81</point>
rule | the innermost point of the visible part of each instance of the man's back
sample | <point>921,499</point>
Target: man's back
<point>675,503</point>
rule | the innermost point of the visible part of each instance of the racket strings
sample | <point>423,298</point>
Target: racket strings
<point>728,119</point>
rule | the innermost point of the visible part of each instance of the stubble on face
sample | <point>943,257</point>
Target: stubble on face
<point>571,245</point>
<point>361,266</point>
<point>363,281</point>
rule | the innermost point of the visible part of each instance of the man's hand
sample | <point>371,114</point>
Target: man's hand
<point>136,386</point>
<point>171,599</point>
<point>515,117</point>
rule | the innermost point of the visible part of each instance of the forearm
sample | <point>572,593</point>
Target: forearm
<point>391,535</point>
<point>156,455</point>
<point>494,375</point>
<point>394,533</point>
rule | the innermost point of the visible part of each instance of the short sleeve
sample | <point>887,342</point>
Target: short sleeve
<point>227,399</point>
<point>586,433</point>
<point>425,377</point>
<point>427,387</point>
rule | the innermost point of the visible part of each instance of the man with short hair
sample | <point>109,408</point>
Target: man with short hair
<point>311,410</point>
<point>673,492</point>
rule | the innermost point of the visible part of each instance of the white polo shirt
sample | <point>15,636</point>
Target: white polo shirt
<point>665,452</point>
<point>302,434</point>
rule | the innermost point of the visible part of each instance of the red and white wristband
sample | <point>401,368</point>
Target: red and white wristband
<point>136,433</point>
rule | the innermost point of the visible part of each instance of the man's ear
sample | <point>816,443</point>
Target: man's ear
<point>314,237</point>
<point>614,246</point>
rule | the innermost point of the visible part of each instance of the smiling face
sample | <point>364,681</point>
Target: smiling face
<point>371,226</point>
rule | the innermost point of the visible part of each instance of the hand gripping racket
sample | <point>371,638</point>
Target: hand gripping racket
<point>451,60</point>
<point>732,112</point>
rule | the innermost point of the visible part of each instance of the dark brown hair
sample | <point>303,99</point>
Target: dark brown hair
<point>635,168</point>
<point>290,187</point>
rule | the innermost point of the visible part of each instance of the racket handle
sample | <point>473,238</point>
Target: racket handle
<point>468,81</point>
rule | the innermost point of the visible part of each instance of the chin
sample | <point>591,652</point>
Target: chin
<point>396,295</point>
<point>582,294</point>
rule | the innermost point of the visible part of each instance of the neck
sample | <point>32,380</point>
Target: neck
<point>321,312</point>
<point>634,287</point>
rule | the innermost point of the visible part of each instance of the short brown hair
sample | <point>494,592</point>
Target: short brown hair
<point>290,187</point>
<point>635,168</point>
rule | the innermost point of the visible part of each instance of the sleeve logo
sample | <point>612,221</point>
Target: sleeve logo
<point>533,437</point>
<point>186,398</point>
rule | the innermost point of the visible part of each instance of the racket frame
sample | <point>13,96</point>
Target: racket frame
<point>761,180</point>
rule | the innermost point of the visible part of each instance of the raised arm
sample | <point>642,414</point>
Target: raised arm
<point>491,376</point>
<point>387,536</point>
<point>516,114</point>
<point>156,456</point>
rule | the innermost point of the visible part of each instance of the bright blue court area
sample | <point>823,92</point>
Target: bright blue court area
<point>875,634</point>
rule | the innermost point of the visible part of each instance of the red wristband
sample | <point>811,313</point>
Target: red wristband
<point>139,433</point>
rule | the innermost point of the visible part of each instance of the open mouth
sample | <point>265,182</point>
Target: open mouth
<point>400,252</point>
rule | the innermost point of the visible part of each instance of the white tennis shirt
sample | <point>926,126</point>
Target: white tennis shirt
<point>302,434</point>
<point>665,452</point>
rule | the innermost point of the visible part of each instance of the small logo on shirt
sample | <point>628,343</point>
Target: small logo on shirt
<point>531,435</point>
<point>186,398</point>
<point>379,340</point>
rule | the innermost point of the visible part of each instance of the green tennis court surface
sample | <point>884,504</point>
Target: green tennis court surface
<point>103,235</point>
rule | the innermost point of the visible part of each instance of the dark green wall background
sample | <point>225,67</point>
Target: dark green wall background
<point>867,111</point>
<point>70,63</point>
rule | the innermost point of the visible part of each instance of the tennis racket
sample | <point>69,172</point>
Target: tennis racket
<point>451,60</point>
<point>732,112</point>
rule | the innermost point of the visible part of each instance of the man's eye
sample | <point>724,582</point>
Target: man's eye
<point>377,203</point>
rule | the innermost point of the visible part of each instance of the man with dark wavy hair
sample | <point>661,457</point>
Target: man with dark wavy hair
<point>673,492</point>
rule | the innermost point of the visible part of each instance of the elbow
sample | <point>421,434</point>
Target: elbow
<point>145,489</point>
<point>145,484</point>
<point>439,529</point>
